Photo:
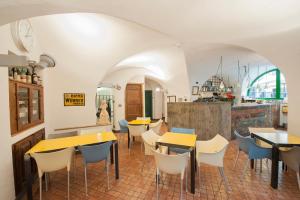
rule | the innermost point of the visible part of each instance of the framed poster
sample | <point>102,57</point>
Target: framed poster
<point>171,99</point>
<point>74,99</point>
<point>195,90</point>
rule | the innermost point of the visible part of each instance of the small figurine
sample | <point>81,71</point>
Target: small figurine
<point>104,116</point>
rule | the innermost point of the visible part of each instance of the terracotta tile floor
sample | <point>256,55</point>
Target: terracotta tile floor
<point>134,184</point>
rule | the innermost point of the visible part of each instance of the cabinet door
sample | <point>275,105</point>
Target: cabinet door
<point>36,105</point>
<point>23,115</point>
<point>19,150</point>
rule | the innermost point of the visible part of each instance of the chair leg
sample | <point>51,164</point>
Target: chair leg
<point>180,188</point>
<point>40,180</point>
<point>141,146</point>
<point>74,163</point>
<point>144,161</point>
<point>157,184</point>
<point>245,168</point>
<point>85,180</point>
<point>199,177</point>
<point>186,180</point>
<point>68,185</point>
<point>298,179</point>
<point>236,158</point>
<point>260,165</point>
<point>107,173</point>
<point>221,169</point>
<point>46,181</point>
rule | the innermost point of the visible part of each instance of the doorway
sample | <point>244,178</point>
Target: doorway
<point>133,101</point>
<point>148,103</point>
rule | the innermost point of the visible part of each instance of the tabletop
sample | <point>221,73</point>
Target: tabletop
<point>139,122</point>
<point>178,139</point>
<point>279,138</point>
<point>61,143</point>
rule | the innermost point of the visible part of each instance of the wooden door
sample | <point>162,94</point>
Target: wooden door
<point>133,101</point>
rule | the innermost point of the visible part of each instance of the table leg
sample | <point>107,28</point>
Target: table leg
<point>116,160</point>
<point>193,171</point>
<point>28,175</point>
<point>112,154</point>
<point>128,135</point>
<point>252,160</point>
<point>274,172</point>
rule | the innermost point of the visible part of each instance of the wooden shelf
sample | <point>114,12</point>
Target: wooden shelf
<point>25,98</point>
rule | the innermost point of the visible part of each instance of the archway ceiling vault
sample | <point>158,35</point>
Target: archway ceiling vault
<point>191,23</point>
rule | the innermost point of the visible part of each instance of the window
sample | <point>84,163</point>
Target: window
<point>268,85</point>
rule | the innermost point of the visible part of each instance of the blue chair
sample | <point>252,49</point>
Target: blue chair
<point>184,131</point>
<point>254,151</point>
<point>123,126</point>
<point>93,154</point>
<point>242,145</point>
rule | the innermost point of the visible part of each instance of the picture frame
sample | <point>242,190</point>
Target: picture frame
<point>195,90</point>
<point>171,99</point>
<point>74,99</point>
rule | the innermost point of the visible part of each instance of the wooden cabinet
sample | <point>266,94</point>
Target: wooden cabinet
<point>18,150</point>
<point>26,106</point>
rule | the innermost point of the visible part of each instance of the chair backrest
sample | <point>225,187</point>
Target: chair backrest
<point>143,118</point>
<point>156,126</point>
<point>242,142</point>
<point>53,161</point>
<point>292,158</point>
<point>183,130</point>
<point>98,129</point>
<point>62,135</point>
<point>213,150</point>
<point>95,153</point>
<point>123,125</point>
<point>149,138</point>
<point>171,164</point>
<point>136,130</point>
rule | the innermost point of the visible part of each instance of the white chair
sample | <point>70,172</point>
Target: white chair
<point>53,161</point>
<point>212,152</point>
<point>156,126</point>
<point>150,138</point>
<point>143,118</point>
<point>171,164</point>
<point>136,131</point>
<point>97,129</point>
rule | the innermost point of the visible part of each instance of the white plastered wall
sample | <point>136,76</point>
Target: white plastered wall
<point>6,163</point>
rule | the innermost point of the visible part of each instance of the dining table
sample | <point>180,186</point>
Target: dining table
<point>50,145</point>
<point>277,140</point>
<point>184,141</point>
<point>137,122</point>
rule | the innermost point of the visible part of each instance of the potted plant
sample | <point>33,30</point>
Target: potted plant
<point>23,74</point>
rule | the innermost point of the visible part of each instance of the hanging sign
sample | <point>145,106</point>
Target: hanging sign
<point>74,99</point>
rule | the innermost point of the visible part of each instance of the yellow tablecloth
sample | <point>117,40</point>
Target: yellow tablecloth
<point>61,143</point>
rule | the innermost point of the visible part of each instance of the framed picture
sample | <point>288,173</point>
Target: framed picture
<point>195,90</point>
<point>74,99</point>
<point>171,99</point>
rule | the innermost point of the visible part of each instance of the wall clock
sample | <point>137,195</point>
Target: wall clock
<point>22,34</point>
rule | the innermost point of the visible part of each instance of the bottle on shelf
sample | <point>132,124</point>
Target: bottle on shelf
<point>28,76</point>
<point>11,74</point>
<point>34,76</point>
<point>15,73</point>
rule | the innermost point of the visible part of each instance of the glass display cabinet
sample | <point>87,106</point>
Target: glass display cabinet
<point>26,106</point>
